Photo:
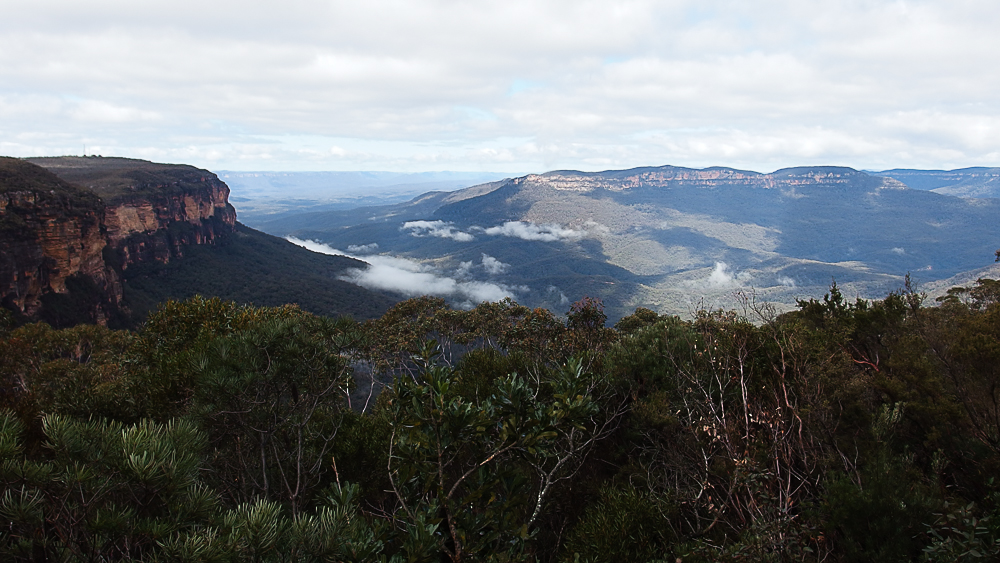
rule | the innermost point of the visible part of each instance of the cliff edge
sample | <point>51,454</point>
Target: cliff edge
<point>152,211</point>
<point>70,227</point>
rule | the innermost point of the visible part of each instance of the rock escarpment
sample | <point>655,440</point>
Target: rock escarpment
<point>70,226</point>
<point>153,211</point>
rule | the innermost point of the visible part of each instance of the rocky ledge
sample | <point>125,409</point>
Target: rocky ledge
<point>74,224</point>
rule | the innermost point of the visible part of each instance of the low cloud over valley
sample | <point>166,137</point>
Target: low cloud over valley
<point>436,229</point>
<point>412,278</point>
<point>531,231</point>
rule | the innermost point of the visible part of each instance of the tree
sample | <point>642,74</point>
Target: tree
<point>482,469</point>
<point>270,397</point>
<point>106,491</point>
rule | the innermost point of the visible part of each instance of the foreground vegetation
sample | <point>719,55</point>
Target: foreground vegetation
<point>843,431</point>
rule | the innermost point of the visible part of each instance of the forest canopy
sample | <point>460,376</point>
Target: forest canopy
<point>864,430</point>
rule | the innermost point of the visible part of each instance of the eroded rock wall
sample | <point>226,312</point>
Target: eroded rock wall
<point>57,238</point>
<point>160,227</point>
<point>51,231</point>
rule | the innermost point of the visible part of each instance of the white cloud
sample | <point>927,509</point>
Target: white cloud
<point>786,281</point>
<point>531,231</point>
<point>563,300</point>
<point>98,111</point>
<point>363,248</point>
<point>721,277</point>
<point>898,250</point>
<point>494,266</point>
<point>412,278</point>
<point>436,229</point>
<point>314,246</point>
<point>464,269</point>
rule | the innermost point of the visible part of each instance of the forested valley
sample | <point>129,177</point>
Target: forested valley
<point>846,430</point>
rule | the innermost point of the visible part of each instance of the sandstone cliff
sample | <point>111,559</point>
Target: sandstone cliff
<point>153,211</point>
<point>70,226</point>
<point>53,241</point>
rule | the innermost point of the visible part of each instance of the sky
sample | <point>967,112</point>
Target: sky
<point>504,86</point>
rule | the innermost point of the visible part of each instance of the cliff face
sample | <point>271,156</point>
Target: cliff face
<point>69,227</point>
<point>153,211</point>
<point>820,177</point>
<point>159,228</point>
<point>53,242</point>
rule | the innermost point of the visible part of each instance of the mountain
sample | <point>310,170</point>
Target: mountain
<point>671,238</point>
<point>92,239</point>
<point>976,182</point>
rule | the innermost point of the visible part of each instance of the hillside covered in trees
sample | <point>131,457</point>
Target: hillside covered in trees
<point>842,431</point>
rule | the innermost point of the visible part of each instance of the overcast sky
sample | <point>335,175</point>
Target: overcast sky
<point>507,86</point>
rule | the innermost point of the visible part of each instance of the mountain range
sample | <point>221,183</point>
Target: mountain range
<point>669,238</point>
<point>106,239</point>
<point>978,182</point>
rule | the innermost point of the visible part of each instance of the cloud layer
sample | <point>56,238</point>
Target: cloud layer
<point>413,279</point>
<point>493,266</point>
<point>431,85</point>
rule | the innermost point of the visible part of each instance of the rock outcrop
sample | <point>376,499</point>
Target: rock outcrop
<point>153,211</point>
<point>159,227</point>
<point>72,225</point>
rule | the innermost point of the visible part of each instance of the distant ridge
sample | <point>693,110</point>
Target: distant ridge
<point>668,237</point>
<point>975,182</point>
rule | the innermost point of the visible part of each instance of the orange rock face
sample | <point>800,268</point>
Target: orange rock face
<point>54,242</point>
<point>160,227</point>
<point>53,232</point>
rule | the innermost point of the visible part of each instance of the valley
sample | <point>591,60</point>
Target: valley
<point>672,239</point>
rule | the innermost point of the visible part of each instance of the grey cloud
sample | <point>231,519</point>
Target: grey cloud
<point>422,85</point>
<point>721,277</point>
<point>363,248</point>
<point>786,281</point>
<point>464,269</point>
<point>563,300</point>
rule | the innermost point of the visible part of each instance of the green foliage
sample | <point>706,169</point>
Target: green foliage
<point>624,524</point>
<point>80,371</point>
<point>7,321</point>
<point>986,292</point>
<point>959,535</point>
<point>176,335</point>
<point>226,432</point>
<point>105,489</point>
<point>453,460</point>
<point>270,397</point>
<point>879,517</point>
<point>641,318</point>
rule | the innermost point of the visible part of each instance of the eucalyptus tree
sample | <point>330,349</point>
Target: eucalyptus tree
<point>480,468</point>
